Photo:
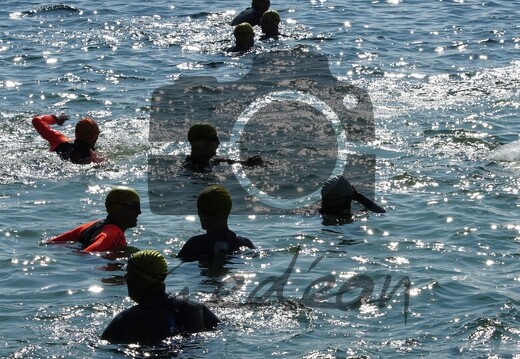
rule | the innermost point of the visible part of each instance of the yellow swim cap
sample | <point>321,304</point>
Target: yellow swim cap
<point>87,130</point>
<point>201,131</point>
<point>121,195</point>
<point>243,31</point>
<point>149,264</point>
<point>271,17</point>
<point>214,200</point>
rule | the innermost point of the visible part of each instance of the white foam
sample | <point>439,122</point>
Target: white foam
<point>509,152</point>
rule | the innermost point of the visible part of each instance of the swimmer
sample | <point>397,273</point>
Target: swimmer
<point>269,24</point>
<point>79,151</point>
<point>204,144</point>
<point>244,38</point>
<point>253,14</point>
<point>157,315</point>
<point>123,207</point>
<point>337,194</point>
<point>213,207</point>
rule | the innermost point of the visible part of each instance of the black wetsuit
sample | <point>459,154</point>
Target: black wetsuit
<point>251,15</point>
<point>168,316</point>
<point>195,167</point>
<point>220,242</point>
<point>78,152</point>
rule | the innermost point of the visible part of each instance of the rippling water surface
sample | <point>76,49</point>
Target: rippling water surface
<point>443,78</point>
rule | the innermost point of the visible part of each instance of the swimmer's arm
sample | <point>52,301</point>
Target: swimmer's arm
<point>194,317</point>
<point>120,329</point>
<point>366,202</point>
<point>249,162</point>
<point>110,239</point>
<point>246,242</point>
<point>96,157</point>
<point>210,319</point>
<point>42,124</point>
<point>70,236</point>
<point>190,250</point>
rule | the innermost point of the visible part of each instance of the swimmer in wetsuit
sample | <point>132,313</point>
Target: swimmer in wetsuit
<point>157,315</point>
<point>204,143</point>
<point>336,197</point>
<point>244,38</point>
<point>213,207</point>
<point>123,208</point>
<point>253,14</point>
<point>269,24</point>
<point>79,151</point>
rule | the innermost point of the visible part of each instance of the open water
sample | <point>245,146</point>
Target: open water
<point>443,78</point>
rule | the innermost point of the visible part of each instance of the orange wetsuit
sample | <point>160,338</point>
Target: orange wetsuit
<point>95,236</point>
<point>75,151</point>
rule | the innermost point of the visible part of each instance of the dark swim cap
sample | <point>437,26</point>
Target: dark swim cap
<point>336,188</point>
<point>87,130</point>
<point>149,265</point>
<point>214,200</point>
<point>201,131</point>
<point>120,195</point>
<point>258,3</point>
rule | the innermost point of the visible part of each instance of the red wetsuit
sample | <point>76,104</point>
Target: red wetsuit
<point>75,151</point>
<point>95,236</point>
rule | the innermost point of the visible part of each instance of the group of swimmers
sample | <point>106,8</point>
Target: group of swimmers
<point>256,15</point>
<point>159,315</point>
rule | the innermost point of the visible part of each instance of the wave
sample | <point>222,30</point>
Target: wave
<point>53,8</point>
<point>507,153</point>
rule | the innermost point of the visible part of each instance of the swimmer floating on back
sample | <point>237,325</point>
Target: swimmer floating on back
<point>123,208</point>
<point>157,315</point>
<point>79,151</point>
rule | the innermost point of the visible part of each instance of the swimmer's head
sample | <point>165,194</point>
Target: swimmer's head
<point>271,17</point>
<point>121,196</point>
<point>262,5</point>
<point>149,265</point>
<point>269,23</point>
<point>87,130</point>
<point>214,201</point>
<point>244,33</point>
<point>202,132</point>
<point>336,194</point>
<point>336,187</point>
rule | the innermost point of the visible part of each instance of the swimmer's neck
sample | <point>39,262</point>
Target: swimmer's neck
<point>200,160</point>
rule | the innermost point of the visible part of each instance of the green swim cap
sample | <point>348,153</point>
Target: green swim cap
<point>214,200</point>
<point>243,31</point>
<point>201,131</point>
<point>149,264</point>
<point>121,195</point>
<point>336,188</point>
<point>271,16</point>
